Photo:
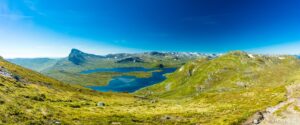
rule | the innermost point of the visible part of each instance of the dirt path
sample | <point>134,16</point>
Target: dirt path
<point>289,116</point>
<point>285,113</point>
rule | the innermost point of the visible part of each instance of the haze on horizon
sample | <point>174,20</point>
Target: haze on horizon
<point>39,28</point>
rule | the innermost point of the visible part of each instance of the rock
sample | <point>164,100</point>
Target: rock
<point>190,73</point>
<point>57,122</point>
<point>153,101</point>
<point>160,66</point>
<point>181,69</point>
<point>17,78</point>
<point>200,88</point>
<point>255,119</point>
<point>116,123</point>
<point>4,72</point>
<point>251,56</point>
<point>281,58</point>
<point>242,84</point>
<point>258,117</point>
<point>100,104</point>
<point>176,58</point>
<point>167,117</point>
<point>168,87</point>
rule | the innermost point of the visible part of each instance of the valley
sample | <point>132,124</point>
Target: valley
<point>228,89</point>
<point>149,62</point>
<point>71,69</point>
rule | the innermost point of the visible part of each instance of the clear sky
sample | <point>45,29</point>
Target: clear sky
<point>50,28</point>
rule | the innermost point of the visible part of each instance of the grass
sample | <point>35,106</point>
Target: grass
<point>226,90</point>
<point>296,108</point>
<point>235,85</point>
<point>282,109</point>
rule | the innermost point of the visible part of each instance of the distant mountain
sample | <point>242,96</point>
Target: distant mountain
<point>78,61</point>
<point>68,69</point>
<point>27,97</point>
<point>37,64</point>
<point>78,57</point>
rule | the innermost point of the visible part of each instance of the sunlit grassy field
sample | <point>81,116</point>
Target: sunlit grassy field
<point>225,90</point>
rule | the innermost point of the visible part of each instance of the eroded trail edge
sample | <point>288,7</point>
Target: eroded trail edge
<point>285,113</point>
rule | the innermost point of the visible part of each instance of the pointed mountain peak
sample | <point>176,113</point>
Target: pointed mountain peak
<point>76,51</point>
<point>77,57</point>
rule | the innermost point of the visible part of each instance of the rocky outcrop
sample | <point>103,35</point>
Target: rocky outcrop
<point>255,119</point>
<point>284,113</point>
<point>100,104</point>
<point>5,73</point>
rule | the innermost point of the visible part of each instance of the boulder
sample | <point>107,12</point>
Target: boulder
<point>167,117</point>
<point>161,66</point>
<point>4,72</point>
<point>100,104</point>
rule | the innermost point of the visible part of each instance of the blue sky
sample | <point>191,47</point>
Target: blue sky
<point>43,28</point>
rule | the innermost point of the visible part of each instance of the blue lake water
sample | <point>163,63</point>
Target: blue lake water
<point>120,69</point>
<point>130,83</point>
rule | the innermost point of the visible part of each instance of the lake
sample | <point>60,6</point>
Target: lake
<point>130,83</point>
<point>120,69</point>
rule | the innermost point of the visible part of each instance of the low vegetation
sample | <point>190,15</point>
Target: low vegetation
<point>225,90</point>
<point>233,86</point>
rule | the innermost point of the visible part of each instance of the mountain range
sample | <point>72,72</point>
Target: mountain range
<point>68,69</point>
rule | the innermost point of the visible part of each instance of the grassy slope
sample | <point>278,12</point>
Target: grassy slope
<point>220,100</point>
<point>42,100</point>
<point>36,99</point>
<point>230,88</point>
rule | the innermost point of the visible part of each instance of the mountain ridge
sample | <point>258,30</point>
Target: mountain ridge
<point>68,69</point>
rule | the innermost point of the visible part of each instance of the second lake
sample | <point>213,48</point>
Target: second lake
<point>130,83</point>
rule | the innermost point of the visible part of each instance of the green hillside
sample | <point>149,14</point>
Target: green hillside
<point>225,90</point>
<point>232,87</point>
<point>27,97</point>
